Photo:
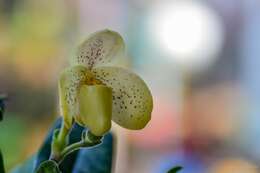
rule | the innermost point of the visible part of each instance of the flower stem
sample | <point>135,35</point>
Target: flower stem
<point>73,147</point>
<point>59,142</point>
<point>62,137</point>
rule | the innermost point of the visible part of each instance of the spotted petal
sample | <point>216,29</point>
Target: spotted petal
<point>69,85</point>
<point>99,48</point>
<point>132,100</point>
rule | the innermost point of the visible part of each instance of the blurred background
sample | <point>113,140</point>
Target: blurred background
<point>199,57</point>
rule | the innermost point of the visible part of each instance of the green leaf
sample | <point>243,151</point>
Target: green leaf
<point>48,166</point>
<point>96,159</point>
<point>175,169</point>
<point>2,105</point>
<point>44,153</point>
<point>2,169</point>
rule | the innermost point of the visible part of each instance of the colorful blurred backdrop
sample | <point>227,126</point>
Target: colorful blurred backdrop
<point>200,59</point>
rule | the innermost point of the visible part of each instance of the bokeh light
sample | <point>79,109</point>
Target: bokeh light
<point>189,31</point>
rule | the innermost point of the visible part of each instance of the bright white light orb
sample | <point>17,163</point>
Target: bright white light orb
<point>188,31</point>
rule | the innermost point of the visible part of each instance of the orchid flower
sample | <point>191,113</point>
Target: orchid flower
<point>93,91</point>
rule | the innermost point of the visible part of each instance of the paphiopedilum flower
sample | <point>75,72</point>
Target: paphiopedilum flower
<point>93,91</point>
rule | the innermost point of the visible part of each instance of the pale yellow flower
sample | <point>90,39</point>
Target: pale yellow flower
<point>93,91</point>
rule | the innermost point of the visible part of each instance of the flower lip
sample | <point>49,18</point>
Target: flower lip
<point>95,106</point>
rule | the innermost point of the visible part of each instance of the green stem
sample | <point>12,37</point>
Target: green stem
<point>62,137</point>
<point>60,149</point>
<point>59,142</point>
<point>73,147</point>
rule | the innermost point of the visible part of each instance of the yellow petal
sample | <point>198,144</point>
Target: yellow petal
<point>69,84</point>
<point>95,105</point>
<point>99,48</point>
<point>132,100</point>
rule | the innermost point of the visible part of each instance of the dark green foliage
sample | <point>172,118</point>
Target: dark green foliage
<point>175,169</point>
<point>2,106</point>
<point>2,109</point>
<point>2,169</point>
<point>48,167</point>
<point>45,151</point>
<point>97,159</point>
